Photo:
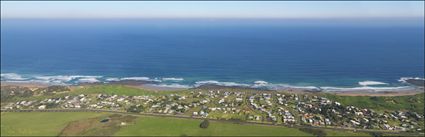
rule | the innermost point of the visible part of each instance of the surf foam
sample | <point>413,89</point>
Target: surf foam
<point>140,79</point>
<point>172,79</point>
<point>88,80</point>
<point>171,86</point>
<point>369,83</point>
<point>370,89</point>
<point>12,76</point>
<point>218,83</point>
<point>405,79</point>
<point>172,82</point>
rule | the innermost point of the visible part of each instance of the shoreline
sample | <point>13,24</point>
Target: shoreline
<point>405,84</point>
<point>381,93</point>
<point>150,86</point>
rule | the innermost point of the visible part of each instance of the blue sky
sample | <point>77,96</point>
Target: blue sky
<point>212,9</point>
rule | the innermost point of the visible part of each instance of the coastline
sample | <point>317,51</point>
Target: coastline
<point>382,93</point>
<point>404,84</point>
<point>152,87</point>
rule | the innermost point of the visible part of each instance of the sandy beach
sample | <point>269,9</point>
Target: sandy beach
<point>382,93</point>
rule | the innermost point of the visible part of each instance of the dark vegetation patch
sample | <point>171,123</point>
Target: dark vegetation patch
<point>135,109</point>
<point>52,90</point>
<point>416,82</point>
<point>204,124</point>
<point>315,132</point>
<point>100,126</point>
<point>9,92</point>
<point>376,134</point>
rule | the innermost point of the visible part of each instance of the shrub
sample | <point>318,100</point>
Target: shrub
<point>204,124</point>
<point>376,134</point>
<point>315,132</point>
<point>135,109</point>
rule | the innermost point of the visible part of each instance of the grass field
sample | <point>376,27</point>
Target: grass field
<point>411,102</point>
<point>346,133</point>
<point>95,126</point>
<point>53,123</point>
<point>39,123</point>
<point>148,126</point>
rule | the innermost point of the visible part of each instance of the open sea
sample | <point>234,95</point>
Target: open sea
<point>327,54</point>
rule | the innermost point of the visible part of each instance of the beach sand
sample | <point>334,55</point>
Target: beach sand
<point>381,93</point>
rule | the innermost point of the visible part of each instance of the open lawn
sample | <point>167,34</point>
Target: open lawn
<point>344,133</point>
<point>159,126</point>
<point>87,123</point>
<point>39,123</point>
<point>410,102</point>
<point>99,126</point>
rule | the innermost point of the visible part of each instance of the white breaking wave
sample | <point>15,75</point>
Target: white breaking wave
<point>140,79</point>
<point>404,79</point>
<point>88,80</point>
<point>55,79</point>
<point>286,86</point>
<point>52,78</point>
<point>112,79</point>
<point>373,89</point>
<point>171,86</point>
<point>213,82</point>
<point>12,76</point>
<point>271,86</point>
<point>260,83</point>
<point>63,79</point>
<point>172,79</point>
<point>135,78</point>
<point>75,79</point>
<point>368,83</point>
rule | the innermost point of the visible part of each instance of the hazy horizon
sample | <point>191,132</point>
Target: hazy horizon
<point>211,10</point>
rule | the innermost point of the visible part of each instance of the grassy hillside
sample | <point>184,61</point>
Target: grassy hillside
<point>86,123</point>
<point>411,102</point>
<point>345,133</point>
<point>149,126</point>
<point>39,123</point>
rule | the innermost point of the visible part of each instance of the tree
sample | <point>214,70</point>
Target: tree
<point>204,124</point>
<point>135,109</point>
<point>316,132</point>
<point>376,134</point>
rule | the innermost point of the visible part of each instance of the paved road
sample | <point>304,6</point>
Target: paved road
<point>227,121</point>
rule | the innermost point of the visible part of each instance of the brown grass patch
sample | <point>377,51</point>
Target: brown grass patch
<point>94,126</point>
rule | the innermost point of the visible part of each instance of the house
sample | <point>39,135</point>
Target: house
<point>42,107</point>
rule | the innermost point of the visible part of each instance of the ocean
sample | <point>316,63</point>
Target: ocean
<point>316,53</point>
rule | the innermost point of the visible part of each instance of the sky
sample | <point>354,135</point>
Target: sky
<point>212,9</point>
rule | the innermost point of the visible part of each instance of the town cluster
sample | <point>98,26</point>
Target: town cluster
<point>262,107</point>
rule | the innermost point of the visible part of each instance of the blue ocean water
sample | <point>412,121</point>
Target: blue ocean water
<point>294,52</point>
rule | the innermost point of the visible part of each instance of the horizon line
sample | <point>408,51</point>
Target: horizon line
<point>218,18</point>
